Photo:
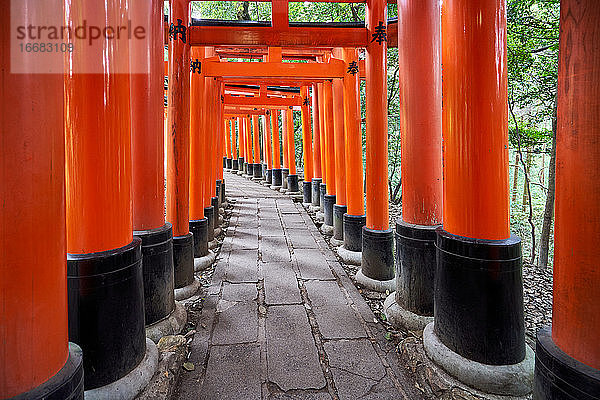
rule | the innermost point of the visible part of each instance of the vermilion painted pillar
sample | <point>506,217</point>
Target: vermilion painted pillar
<point>198,156</point>
<point>212,117</point>
<point>104,260</point>
<point>568,357</point>
<point>257,171</point>
<point>317,179</point>
<point>377,265</point>
<point>307,153</point>
<point>285,171</point>
<point>292,178</point>
<point>228,150</point>
<point>478,290</point>
<point>355,218</point>
<point>268,152</point>
<point>207,136</point>
<point>178,149</point>
<point>340,207</point>
<point>321,104</point>
<point>220,184</point>
<point>234,149</point>
<point>241,146</point>
<point>421,146</point>
<point>148,154</point>
<point>35,353</point>
<point>329,142</point>
<point>249,166</point>
<point>277,177</point>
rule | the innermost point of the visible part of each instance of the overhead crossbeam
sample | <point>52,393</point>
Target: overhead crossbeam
<point>269,70</point>
<point>262,101</point>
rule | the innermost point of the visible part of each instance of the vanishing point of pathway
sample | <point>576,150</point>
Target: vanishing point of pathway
<point>281,319</point>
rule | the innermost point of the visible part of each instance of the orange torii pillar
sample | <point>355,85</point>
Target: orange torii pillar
<point>267,147</point>
<point>241,145</point>
<point>36,356</point>
<point>277,175</point>
<point>478,331</point>
<point>249,163</point>
<point>292,178</point>
<point>207,147</point>
<point>567,362</point>
<point>339,208</point>
<point>104,259</point>
<point>234,149</point>
<point>329,144</point>
<point>178,153</point>
<point>198,163</point>
<point>307,153</point>
<point>238,162</point>
<point>211,115</point>
<point>411,306</point>
<point>148,154</point>
<point>355,218</point>
<point>263,148</point>
<point>257,166</point>
<point>322,141</point>
<point>228,150</point>
<point>317,178</point>
<point>220,184</point>
<point>285,171</point>
<point>377,264</point>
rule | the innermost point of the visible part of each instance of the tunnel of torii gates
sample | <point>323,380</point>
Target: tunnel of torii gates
<point>89,184</point>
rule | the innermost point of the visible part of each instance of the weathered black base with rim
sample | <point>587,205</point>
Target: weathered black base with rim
<point>223,199</point>
<point>353,225</point>
<point>378,254</point>
<point>214,202</point>
<point>322,193</point>
<point>415,267</point>
<point>316,191</point>
<point>183,257</point>
<point>199,229</point>
<point>277,177</point>
<point>258,169</point>
<point>229,163</point>
<point>209,214</point>
<point>106,311</point>
<point>292,185</point>
<point>224,162</point>
<point>158,270</point>
<point>329,201</point>
<point>284,175</point>
<point>307,192</point>
<point>338,221</point>
<point>218,188</point>
<point>66,384</point>
<point>264,169</point>
<point>559,376</point>
<point>234,165</point>
<point>269,177</point>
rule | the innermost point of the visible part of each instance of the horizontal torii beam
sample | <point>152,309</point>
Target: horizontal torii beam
<point>262,101</point>
<point>269,70</point>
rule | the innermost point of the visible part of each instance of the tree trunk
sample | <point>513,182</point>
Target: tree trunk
<point>549,208</point>
<point>515,178</point>
<point>526,183</point>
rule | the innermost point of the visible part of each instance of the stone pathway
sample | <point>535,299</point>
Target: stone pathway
<point>281,319</point>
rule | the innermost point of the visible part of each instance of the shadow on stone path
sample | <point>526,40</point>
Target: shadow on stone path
<point>281,319</point>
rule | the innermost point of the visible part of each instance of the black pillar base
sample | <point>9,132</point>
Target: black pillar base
<point>277,177</point>
<point>559,376</point>
<point>229,163</point>
<point>269,177</point>
<point>284,175</point>
<point>378,254</point>
<point>415,267</point>
<point>224,162</point>
<point>292,183</point>
<point>322,192</point>
<point>67,383</point>
<point>223,198</point>
<point>106,311</point>
<point>257,171</point>
<point>264,169</point>
<point>353,225</point>
<point>247,168</point>
<point>235,165</point>
<point>183,257</point>
<point>158,270</point>
<point>479,298</point>
<point>241,164</point>
<point>328,203</point>
<point>218,193</point>
<point>316,191</point>
<point>209,214</point>
<point>214,201</point>
<point>338,221</point>
<point>307,192</point>
<point>199,229</point>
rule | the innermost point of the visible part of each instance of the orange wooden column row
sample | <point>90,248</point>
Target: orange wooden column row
<point>208,114</point>
<point>227,127</point>
<point>220,130</point>
<point>353,138</point>
<point>33,276</point>
<point>275,136</point>
<point>291,143</point>
<point>198,149</point>
<point>178,123</point>
<point>476,200</point>
<point>285,139</point>
<point>329,137</point>
<point>147,120</point>
<point>256,135</point>
<point>307,153</point>
<point>316,132</point>
<point>248,139</point>
<point>234,150</point>
<point>267,147</point>
<point>339,142</point>
<point>377,123</point>
<point>420,112</point>
<point>576,308</point>
<point>241,142</point>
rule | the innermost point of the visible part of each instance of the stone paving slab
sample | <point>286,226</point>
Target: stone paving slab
<point>281,319</point>
<point>292,358</point>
